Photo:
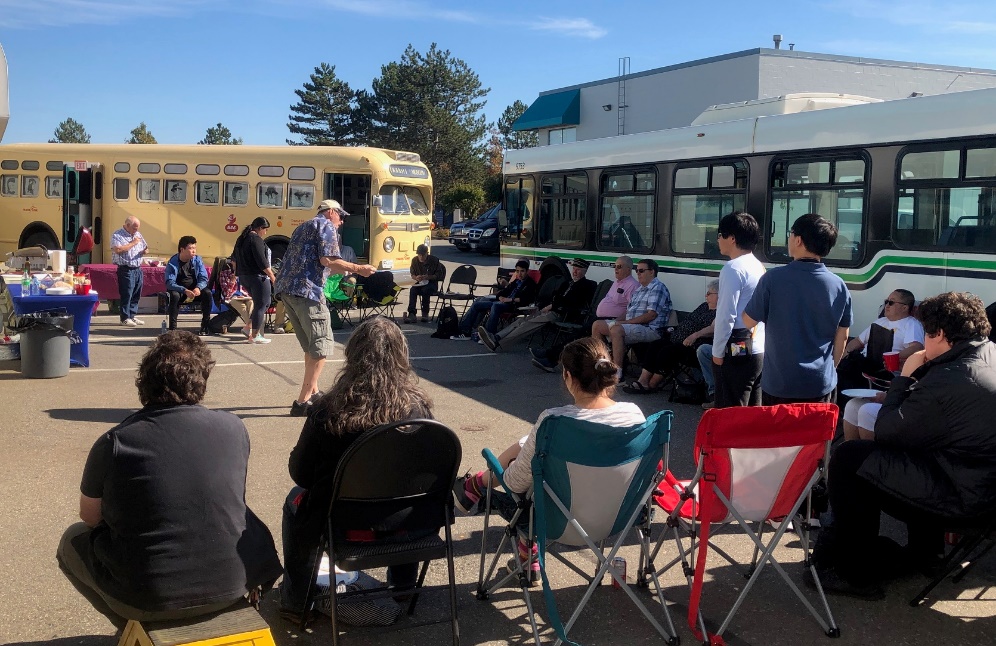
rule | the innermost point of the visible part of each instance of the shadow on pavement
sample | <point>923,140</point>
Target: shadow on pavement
<point>103,415</point>
<point>82,640</point>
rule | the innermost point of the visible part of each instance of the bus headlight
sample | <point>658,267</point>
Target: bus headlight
<point>388,244</point>
<point>488,232</point>
<point>426,242</point>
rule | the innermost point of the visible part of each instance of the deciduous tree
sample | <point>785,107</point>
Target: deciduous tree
<point>429,104</point>
<point>469,198</point>
<point>70,131</point>
<point>141,135</point>
<point>324,114</point>
<point>219,135</point>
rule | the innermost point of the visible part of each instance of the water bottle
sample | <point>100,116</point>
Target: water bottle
<point>26,282</point>
<point>35,286</point>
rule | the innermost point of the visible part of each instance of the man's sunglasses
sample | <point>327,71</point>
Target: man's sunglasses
<point>890,302</point>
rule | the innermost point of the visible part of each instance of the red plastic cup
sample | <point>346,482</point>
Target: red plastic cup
<point>85,289</point>
<point>891,360</point>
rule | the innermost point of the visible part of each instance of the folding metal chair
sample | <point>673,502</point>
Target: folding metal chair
<point>594,482</point>
<point>465,275</point>
<point>754,465</point>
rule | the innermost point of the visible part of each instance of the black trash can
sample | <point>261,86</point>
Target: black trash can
<point>44,343</point>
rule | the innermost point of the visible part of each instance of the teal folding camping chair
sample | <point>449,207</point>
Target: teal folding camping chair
<point>594,481</point>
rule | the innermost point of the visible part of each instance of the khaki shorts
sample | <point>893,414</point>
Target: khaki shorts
<point>633,333</point>
<point>311,324</point>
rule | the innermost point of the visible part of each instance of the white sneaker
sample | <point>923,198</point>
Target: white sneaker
<point>279,330</point>
<point>138,321</point>
<point>258,340</point>
<point>129,323</point>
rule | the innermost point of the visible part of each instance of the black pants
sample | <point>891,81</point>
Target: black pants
<point>738,381</point>
<point>425,292</point>
<point>260,289</point>
<point>857,507</point>
<point>176,298</point>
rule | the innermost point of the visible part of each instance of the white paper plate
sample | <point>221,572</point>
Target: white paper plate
<point>59,291</point>
<point>860,392</point>
<point>341,578</point>
<point>421,283</point>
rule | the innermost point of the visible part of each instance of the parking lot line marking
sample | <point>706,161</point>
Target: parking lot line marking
<point>291,363</point>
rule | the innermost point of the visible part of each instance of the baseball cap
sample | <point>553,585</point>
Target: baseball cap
<point>580,262</point>
<point>421,249</point>
<point>332,204</point>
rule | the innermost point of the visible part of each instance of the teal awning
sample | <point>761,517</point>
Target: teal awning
<point>549,110</point>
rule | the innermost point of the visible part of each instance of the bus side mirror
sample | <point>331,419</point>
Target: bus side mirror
<point>378,201</point>
<point>502,218</point>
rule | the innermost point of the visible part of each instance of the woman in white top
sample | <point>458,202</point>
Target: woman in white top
<point>590,378</point>
<point>907,338</point>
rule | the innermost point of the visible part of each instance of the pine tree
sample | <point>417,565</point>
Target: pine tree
<point>324,114</point>
<point>141,135</point>
<point>429,104</point>
<point>514,139</point>
<point>70,131</point>
<point>220,136</point>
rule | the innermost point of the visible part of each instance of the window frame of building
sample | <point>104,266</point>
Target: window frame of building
<point>558,136</point>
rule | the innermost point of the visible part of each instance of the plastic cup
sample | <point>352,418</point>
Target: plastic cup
<point>891,360</point>
<point>85,289</point>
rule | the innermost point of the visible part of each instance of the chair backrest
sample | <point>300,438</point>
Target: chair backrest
<point>760,457</point>
<point>398,476</point>
<point>549,289</point>
<point>879,342</point>
<point>463,275</point>
<point>599,473</point>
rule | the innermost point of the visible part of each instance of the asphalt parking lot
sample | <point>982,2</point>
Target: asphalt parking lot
<point>490,400</point>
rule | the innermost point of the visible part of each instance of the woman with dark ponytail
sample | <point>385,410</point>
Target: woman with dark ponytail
<point>590,378</point>
<point>252,266</point>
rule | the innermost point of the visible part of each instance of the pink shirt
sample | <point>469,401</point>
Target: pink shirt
<point>615,302</point>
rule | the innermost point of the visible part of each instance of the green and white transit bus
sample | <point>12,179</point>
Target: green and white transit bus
<point>910,185</point>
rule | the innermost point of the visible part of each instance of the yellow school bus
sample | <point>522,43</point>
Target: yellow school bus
<point>49,191</point>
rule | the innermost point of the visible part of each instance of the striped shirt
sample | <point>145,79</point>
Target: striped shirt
<point>130,258</point>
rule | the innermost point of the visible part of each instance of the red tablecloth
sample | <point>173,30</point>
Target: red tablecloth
<point>104,279</point>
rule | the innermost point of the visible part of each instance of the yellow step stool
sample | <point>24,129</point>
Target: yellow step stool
<point>240,626</point>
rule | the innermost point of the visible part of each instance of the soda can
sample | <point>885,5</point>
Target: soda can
<point>618,565</point>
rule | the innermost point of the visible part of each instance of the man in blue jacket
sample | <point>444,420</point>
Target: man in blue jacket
<point>186,278</point>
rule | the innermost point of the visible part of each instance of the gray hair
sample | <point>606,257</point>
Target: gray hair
<point>713,286</point>
<point>626,260</point>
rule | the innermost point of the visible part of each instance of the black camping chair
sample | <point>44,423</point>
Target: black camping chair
<point>568,330</point>
<point>974,538</point>
<point>396,480</point>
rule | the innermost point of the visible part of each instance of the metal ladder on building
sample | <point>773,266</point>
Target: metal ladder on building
<point>621,103</point>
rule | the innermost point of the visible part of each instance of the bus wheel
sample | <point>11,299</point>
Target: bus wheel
<point>41,238</point>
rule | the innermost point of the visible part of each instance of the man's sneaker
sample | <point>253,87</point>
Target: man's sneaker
<point>465,499</point>
<point>315,397</point>
<point>540,360</point>
<point>138,321</point>
<point>424,319</point>
<point>709,403</point>
<point>162,328</point>
<point>833,583</point>
<point>476,338</point>
<point>129,323</point>
<point>279,330</point>
<point>460,337</point>
<point>259,340</point>
<point>408,317</point>
<point>300,410</point>
<point>204,331</point>
<point>488,339</point>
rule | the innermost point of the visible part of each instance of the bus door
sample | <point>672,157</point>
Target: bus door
<point>352,191</point>
<point>81,207</point>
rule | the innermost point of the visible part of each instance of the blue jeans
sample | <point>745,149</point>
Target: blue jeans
<point>130,290</point>
<point>704,355</point>
<point>478,310</point>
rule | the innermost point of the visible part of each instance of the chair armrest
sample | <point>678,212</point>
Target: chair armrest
<point>495,467</point>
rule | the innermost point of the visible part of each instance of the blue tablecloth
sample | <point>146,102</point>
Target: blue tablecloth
<point>81,307</point>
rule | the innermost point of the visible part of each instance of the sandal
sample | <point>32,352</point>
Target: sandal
<point>636,388</point>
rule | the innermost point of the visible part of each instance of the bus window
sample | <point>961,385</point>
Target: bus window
<point>702,196</point>
<point>236,193</point>
<point>833,189</point>
<point>176,191</point>
<point>53,187</point>
<point>519,195</point>
<point>562,210</point>
<point>149,167</point>
<point>206,192</point>
<point>270,171</point>
<point>301,173</point>
<point>943,203</point>
<point>270,194</point>
<point>626,220</point>
<point>207,169</point>
<point>402,200</point>
<point>302,196</point>
<point>175,169</point>
<point>121,188</point>
<point>8,185</point>
<point>147,189</point>
<point>29,186</point>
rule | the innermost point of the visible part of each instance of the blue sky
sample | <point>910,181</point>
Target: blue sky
<point>183,65</point>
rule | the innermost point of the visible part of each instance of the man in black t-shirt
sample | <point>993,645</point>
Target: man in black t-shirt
<point>166,533</point>
<point>187,278</point>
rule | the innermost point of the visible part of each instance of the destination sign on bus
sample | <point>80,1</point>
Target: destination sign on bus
<point>404,170</point>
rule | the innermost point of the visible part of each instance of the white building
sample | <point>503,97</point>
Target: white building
<point>673,96</point>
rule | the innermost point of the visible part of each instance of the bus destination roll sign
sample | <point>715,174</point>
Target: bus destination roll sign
<point>404,170</point>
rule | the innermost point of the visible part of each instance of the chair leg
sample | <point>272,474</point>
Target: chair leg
<point>451,571</point>
<point>310,594</point>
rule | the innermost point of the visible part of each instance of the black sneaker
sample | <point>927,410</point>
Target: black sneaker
<point>424,319</point>
<point>489,339</point>
<point>300,410</point>
<point>204,331</point>
<point>464,500</point>
<point>315,397</point>
<point>543,363</point>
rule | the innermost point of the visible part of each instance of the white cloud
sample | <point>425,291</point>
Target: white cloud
<point>969,17</point>
<point>574,27</point>
<point>21,14</point>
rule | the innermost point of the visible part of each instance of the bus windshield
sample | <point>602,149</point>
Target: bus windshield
<point>402,200</point>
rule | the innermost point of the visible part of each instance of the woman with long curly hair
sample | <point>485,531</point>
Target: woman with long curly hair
<point>376,386</point>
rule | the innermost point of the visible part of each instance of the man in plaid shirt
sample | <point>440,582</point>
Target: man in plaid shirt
<point>646,316</point>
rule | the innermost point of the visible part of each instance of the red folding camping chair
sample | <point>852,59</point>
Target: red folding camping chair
<point>754,465</point>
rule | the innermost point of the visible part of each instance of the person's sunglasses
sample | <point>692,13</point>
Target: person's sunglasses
<point>711,293</point>
<point>618,267</point>
<point>891,302</point>
<point>640,271</point>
